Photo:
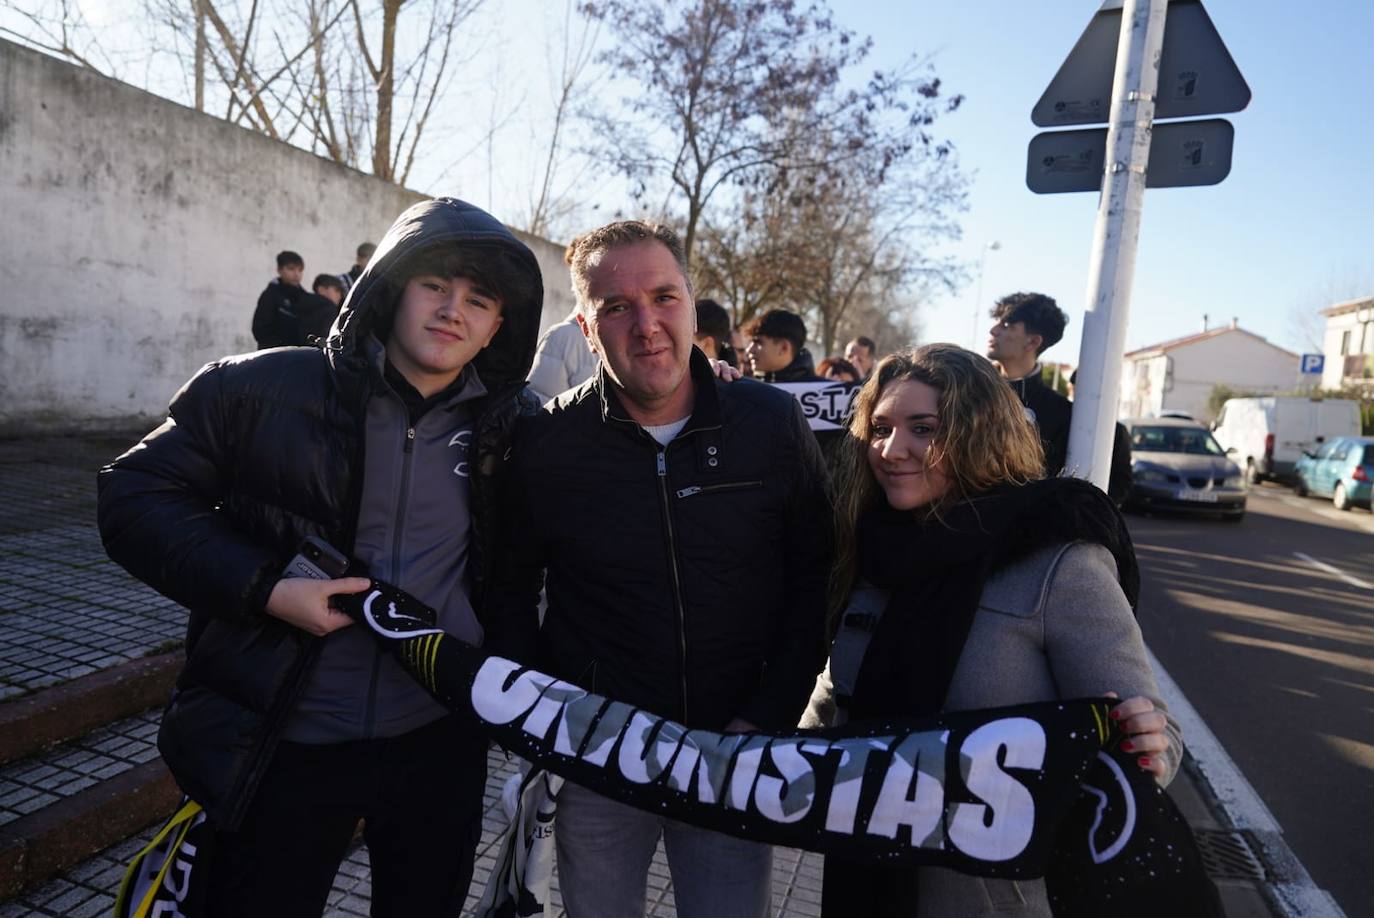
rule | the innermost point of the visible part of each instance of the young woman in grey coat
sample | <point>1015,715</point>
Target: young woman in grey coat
<point>965,582</point>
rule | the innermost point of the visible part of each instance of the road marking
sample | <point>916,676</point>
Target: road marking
<point>1294,889</point>
<point>1323,566</point>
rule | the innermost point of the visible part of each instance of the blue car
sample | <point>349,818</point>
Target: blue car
<point>1342,469</point>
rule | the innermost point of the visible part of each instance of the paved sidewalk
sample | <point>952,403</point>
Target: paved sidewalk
<point>90,888</point>
<point>68,613</point>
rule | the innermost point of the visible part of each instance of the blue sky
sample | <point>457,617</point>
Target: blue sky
<point>1291,228</point>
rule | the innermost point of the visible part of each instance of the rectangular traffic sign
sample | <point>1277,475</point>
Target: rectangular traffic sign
<point>1197,75</point>
<point>1182,153</point>
<point>1313,363</point>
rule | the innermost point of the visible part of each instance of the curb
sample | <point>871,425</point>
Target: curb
<point>36,722</point>
<point>39,846</point>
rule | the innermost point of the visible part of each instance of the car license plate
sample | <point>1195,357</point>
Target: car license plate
<point>1204,497</point>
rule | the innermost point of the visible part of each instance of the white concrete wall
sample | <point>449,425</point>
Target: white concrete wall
<point>558,295</point>
<point>137,235</point>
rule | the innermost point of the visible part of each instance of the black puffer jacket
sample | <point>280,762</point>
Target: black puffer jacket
<point>260,451</point>
<point>689,581</point>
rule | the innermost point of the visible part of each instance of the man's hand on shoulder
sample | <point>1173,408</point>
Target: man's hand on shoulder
<point>724,372</point>
<point>304,603</point>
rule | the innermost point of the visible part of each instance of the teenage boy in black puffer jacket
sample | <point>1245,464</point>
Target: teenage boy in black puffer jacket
<point>286,725</point>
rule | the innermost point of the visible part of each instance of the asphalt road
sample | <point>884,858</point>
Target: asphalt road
<point>1268,627</point>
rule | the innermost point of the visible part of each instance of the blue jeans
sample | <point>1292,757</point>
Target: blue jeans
<point>604,850</point>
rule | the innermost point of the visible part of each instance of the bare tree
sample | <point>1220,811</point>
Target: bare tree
<point>743,259</point>
<point>845,241</point>
<point>552,197</point>
<point>1306,326</point>
<point>355,81</point>
<point>717,78</point>
<point>61,29</point>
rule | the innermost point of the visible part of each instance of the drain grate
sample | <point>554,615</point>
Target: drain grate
<point>1229,855</point>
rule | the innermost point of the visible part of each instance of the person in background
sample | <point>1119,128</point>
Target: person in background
<point>965,580</point>
<point>361,257</point>
<point>319,309</point>
<point>1028,324</point>
<point>777,348</point>
<point>839,369</point>
<point>276,321</point>
<point>739,342</point>
<point>562,361</point>
<point>713,332</point>
<point>861,352</point>
<point>1120,477</point>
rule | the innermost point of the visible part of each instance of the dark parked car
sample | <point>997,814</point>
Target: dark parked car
<point>1342,469</point>
<point>1176,465</point>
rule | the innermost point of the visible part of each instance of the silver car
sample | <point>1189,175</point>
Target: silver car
<point>1177,465</point>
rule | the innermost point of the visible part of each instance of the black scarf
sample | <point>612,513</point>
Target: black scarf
<point>1052,793</point>
<point>936,569</point>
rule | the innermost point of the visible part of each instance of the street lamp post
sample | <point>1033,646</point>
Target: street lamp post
<point>978,300</point>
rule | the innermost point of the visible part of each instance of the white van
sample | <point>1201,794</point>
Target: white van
<point>1270,434</point>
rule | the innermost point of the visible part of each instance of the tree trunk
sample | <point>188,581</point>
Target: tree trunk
<point>200,55</point>
<point>382,166</point>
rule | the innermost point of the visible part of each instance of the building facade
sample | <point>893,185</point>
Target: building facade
<point>1179,375</point>
<point>1348,344</point>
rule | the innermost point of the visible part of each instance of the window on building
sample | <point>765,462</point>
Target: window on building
<point>1345,343</point>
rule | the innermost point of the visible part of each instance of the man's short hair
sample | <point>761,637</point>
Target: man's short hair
<point>1039,313</point>
<point>779,323</point>
<point>289,257</point>
<point>865,341</point>
<point>366,249</point>
<point>326,280</point>
<point>584,252</point>
<point>713,319</point>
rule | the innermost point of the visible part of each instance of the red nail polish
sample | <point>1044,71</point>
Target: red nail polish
<point>1114,714</point>
<point>1144,761</point>
<point>1127,746</point>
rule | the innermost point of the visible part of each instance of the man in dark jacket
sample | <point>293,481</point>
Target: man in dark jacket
<point>685,531</point>
<point>1028,324</point>
<point>276,321</point>
<point>777,346</point>
<point>287,726</point>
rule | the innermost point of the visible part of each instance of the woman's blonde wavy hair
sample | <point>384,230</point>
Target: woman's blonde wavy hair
<point>984,438</point>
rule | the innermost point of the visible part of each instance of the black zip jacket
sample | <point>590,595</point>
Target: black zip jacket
<point>801,369</point>
<point>276,321</point>
<point>690,580</point>
<point>260,451</point>
<point>1051,413</point>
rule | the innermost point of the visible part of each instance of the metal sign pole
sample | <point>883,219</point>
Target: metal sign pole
<point>1115,238</point>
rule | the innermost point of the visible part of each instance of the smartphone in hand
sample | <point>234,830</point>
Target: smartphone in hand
<point>317,560</point>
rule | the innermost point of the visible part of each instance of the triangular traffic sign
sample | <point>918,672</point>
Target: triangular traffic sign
<point>1197,75</point>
